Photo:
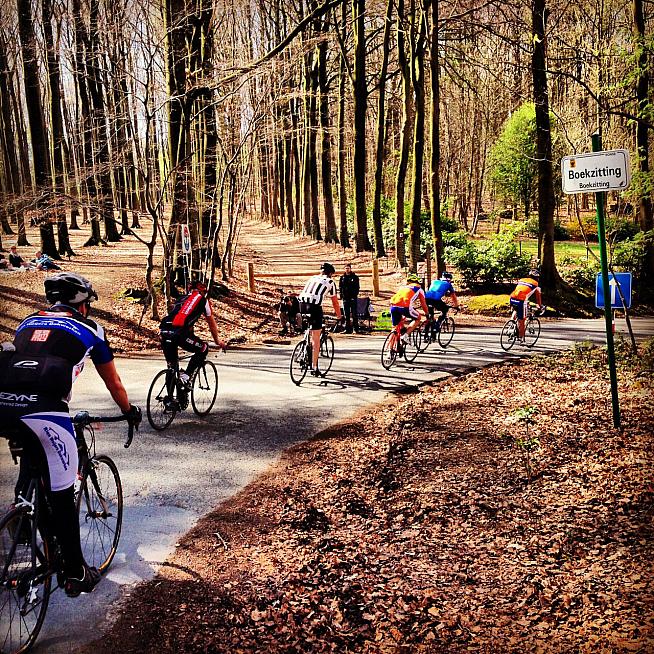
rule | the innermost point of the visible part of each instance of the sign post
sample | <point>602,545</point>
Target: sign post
<point>599,172</point>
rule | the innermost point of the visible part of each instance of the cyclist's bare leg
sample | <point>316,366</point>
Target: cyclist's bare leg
<point>415,323</point>
<point>315,347</point>
<point>521,328</point>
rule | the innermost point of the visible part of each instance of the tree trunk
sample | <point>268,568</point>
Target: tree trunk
<point>362,241</point>
<point>645,213</point>
<point>549,278</point>
<point>342,188</point>
<point>405,137</point>
<point>418,82</point>
<point>381,136</point>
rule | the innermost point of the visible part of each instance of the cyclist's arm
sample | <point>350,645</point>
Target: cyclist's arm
<point>423,302</point>
<point>337,306</point>
<point>538,297</point>
<point>112,381</point>
<point>214,332</point>
<point>455,298</point>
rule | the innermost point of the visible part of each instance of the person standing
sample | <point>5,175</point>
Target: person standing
<point>349,286</point>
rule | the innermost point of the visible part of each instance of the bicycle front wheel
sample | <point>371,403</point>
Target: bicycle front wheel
<point>389,351</point>
<point>299,363</point>
<point>204,389</point>
<point>532,331</point>
<point>160,408</point>
<point>446,334</point>
<point>100,511</point>
<point>509,335</point>
<point>326,357</point>
<point>24,585</point>
<point>412,348</point>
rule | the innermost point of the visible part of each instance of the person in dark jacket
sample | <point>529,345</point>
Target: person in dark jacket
<point>348,286</point>
<point>290,317</point>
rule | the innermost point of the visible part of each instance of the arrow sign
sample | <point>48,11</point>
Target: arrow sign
<point>624,280</point>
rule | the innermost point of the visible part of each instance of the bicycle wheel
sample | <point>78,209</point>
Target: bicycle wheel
<point>532,331</point>
<point>389,350</point>
<point>446,334</point>
<point>160,413</point>
<point>509,334</point>
<point>412,348</point>
<point>204,389</point>
<point>326,357</point>
<point>299,363</point>
<point>100,510</point>
<point>24,587</point>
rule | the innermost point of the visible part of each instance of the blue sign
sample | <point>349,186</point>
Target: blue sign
<point>624,280</point>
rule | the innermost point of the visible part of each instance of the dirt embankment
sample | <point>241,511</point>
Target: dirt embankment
<point>415,528</point>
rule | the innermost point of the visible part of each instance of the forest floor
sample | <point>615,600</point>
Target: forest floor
<point>419,527</point>
<point>241,316</point>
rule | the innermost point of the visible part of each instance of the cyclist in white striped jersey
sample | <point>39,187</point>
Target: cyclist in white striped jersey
<point>311,299</point>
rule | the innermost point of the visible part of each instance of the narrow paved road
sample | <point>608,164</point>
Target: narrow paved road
<point>172,478</point>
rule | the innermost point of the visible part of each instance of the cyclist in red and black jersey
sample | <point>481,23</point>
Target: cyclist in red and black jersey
<point>177,329</point>
<point>36,379</point>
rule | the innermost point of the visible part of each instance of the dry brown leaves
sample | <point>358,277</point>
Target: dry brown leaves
<point>413,529</point>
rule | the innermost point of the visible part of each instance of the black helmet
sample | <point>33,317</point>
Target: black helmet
<point>447,275</point>
<point>535,273</point>
<point>69,288</point>
<point>327,268</point>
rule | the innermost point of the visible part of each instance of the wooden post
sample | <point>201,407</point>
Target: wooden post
<point>375,277</point>
<point>251,276</point>
<point>428,280</point>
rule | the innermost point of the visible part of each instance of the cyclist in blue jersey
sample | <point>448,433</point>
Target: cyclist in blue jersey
<point>439,289</point>
<point>49,351</point>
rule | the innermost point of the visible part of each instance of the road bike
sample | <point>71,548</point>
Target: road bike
<point>393,347</point>
<point>433,332</point>
<point>29,552</point>
<point>301,358</point>
<point>509,334</point>
<point>169,394</point>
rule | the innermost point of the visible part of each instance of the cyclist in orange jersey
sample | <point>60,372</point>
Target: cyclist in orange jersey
<point>405,304</point>
<point>526,288</point>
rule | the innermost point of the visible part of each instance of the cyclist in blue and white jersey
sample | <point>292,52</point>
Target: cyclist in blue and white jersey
<point>311,297</point>
<point>36,377</point>
<point>439,289</point>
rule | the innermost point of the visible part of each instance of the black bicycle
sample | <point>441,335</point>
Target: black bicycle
<point>301,358</point>
<point>29,553</point>
<point>433,332</point>
<point>509,335</point>
<point>168,394</point>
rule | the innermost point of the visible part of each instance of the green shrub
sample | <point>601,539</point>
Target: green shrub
<point>629,255</point>
<point>487,262</point>
<point>578,273</point>
<point>561,232</point>
<point>620,229</point>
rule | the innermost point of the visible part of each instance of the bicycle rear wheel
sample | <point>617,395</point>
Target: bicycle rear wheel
<point>326,357</point>
<point>299,363</point>
<point>532,331</point>
<point>24,587</point>
<point>100,510</point>
<point>509,334</point>
<point>446,333</point>
<point>160,408</point>
<point>412,348</point>
<point>389,351</point>
<point>204,389</point>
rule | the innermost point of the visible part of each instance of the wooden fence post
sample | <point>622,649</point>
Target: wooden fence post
<point>375,277</point>
<point>251,276</point>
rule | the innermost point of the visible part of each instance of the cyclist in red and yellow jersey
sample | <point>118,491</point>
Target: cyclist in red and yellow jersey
<point>405,304</point>
<point>525,289</point>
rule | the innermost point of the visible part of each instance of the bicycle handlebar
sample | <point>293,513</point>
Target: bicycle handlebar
<point>84,419</point>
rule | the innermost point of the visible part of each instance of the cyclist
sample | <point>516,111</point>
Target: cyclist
<point>434,295</point>
<point>311,299</point>
<point>519,300</point>
<point>177,331</point>
<point>36,380</point>
<point>405,302</point>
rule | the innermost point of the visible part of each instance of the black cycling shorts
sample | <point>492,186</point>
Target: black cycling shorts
<point>170,341</point>
<point>315,313</point>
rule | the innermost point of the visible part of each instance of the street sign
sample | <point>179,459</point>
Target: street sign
<point>624,279</point>
<point>592,172</point>
<point>186,239</point>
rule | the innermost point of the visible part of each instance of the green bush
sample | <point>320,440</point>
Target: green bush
<point>620,229</point>
<point>487,262</point>
<point>629,255</point>
<point>578,273</point>
<point>561,232</point>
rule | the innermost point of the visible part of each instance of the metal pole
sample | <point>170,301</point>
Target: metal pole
<point>601,237</point>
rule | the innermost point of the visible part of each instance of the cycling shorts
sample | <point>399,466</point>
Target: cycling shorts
<point>439,305</point>
<point>171,340</point>
<point>315,313</point>
<point>397,313</point>
<point>46,432</point>
<point>520,307</point>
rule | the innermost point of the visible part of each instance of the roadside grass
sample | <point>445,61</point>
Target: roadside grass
<point>488,304</point>
<point>562,249</point>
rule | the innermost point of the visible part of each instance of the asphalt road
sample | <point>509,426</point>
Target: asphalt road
<point>172,478</point>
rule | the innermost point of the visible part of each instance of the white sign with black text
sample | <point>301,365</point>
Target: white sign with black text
<point>596,171</point>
